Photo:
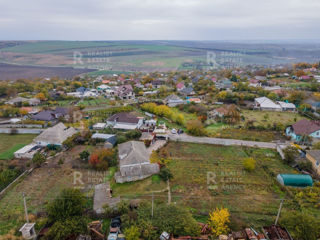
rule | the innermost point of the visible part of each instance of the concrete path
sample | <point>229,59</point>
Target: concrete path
<point>221,141</point>
<point>102,196</point>
<point>155,146</point>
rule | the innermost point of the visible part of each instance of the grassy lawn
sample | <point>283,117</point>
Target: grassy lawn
<point>252,198</point>
<point>11,143</point>
<point>285,118</point>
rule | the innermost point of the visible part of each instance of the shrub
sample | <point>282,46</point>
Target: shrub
<point>196,128</point>
<point>84,156</point>
<point>218,221</point>
<point>290,154</point>
<point>249,164</point>
<point>38,159</point>
<point>301,225</point>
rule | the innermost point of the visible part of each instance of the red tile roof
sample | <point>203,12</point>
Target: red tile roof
<point>306,127</point>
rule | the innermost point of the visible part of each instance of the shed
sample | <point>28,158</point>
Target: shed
<point>295,180</point>
<point>28,231</point>
<point>111,138</point>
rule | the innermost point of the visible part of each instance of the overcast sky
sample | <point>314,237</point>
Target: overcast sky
<point>159,19</point>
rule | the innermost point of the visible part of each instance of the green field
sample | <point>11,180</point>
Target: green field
<point>265,118</point>
<point>252,198</point>
<point>11,143</point>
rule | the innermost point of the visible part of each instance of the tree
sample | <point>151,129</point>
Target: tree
<point>41,96</point>
<point>132,233</point>
<point>233,115</point>
<point>180,119</point>
<point>165,174</point>
<point>70,203</point>
<point>38,159</point>
<point>249,164</point>
<point>290,154</point>
<point>301,225</point>
<point>102,159</point>
<point>84,156</point>
<point>196,128</point>
<point>70,227</point>
<point>218,221</point>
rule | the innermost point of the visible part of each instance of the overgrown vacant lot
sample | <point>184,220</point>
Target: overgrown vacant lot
<point>42,186</point>
<point>11,143</point>
<point>253,198</point>
<point>264,118</point>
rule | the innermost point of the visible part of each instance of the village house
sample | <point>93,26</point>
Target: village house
<point>27,152</point>
<point>53,115</point>
<point>193,100</point>
<point>285,106</point>
<point>188,91</point>
<point>266,104</point>
<point>303,128</point>
<point>173,100</point>
<point>134,162</point>
<point>220,112</point>
<point>55,135</point>
<point>180,86</point>
<point>158,83</point>
<point>19,101</point>
<point>125,92</point>
<point>224,84</point>
<point>125,121</point>
<point>314,157</point>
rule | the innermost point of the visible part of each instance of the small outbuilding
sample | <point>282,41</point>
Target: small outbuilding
<point>295,180</point>
<point>110,138</point>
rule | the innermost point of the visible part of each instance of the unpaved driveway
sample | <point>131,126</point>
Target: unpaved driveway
<point>221,141</point>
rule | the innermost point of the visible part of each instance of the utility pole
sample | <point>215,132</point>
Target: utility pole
<point>279,211</point>
<point>25,207</point>
<point>169,192</point>
<point>152,205</point>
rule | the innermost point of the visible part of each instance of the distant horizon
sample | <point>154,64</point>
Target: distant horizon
<point>168,40</point>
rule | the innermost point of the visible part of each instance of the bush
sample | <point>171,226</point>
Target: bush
<point>249,164</point>
<point>84,156</point>
<point>196,128</point>
<point>290,154</point>
<point>102,159</point>
<point>301,225</point>
<point>38,159</point>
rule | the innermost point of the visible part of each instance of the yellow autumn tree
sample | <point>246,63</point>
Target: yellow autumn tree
<point>41,96</point>
<point>218,221</point>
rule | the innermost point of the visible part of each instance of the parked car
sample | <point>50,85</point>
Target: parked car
<point>115,223</point>
<point>180,131</point>
<point>114,230</point>
<point>164,236</point>
<point>173,131</point>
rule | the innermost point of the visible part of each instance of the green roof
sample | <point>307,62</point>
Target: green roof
<point>295,180</point>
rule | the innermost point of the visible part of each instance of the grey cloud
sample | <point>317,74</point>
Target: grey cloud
<point>165,19</point>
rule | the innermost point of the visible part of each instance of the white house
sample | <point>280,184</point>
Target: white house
<point>287,106</point>
<point>27,152</point>
<point>264,103</point>
<point>55,135</point>
<point>125,121</point>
